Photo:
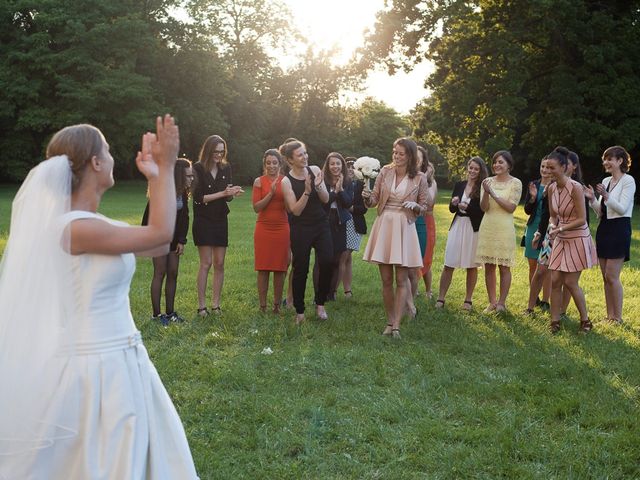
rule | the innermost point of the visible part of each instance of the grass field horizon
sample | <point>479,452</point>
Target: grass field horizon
<point>462,395</point>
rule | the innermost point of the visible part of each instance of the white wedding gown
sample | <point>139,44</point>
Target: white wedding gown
<point>127,426</point>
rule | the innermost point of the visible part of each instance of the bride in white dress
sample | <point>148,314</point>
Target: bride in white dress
<point>79,397</point>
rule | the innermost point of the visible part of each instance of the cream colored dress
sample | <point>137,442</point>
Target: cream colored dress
<point>393,241</point>
<point>497,234</point>
<point>125,425</point>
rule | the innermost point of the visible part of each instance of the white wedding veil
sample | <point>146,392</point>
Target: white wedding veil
<point>36,303</point>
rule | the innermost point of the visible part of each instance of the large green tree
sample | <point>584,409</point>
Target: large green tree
<point>521,75</point>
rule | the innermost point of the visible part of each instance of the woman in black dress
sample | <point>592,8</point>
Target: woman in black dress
<point>212,189</point>
<point>613,237</point>
<point>166,266</point>
<point>304,195</point>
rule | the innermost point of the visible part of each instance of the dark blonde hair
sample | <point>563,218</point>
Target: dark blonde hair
<point>272,152</point>
<point>619,152</point>
<point>208,147</point>
<point>343,169</point>
<point>288,147</point>
<point>80,143</point>
<point>506,154</point>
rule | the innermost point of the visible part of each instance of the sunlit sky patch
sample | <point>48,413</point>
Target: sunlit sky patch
<point>341,23</point>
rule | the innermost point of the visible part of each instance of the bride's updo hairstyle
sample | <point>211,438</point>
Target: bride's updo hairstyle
<point>79,143</point>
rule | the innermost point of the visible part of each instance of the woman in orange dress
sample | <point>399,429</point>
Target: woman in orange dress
<point>271,236</point>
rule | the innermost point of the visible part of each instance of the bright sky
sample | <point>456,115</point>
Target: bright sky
<point>341,23</point>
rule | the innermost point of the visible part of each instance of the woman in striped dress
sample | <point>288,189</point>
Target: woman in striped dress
<point>573,248</point>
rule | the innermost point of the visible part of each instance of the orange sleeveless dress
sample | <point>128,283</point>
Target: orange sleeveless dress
<point>271,235</point>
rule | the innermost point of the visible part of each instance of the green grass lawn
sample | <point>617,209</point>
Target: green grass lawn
<point>462,395</point>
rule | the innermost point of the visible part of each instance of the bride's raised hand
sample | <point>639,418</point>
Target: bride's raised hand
<point>165,148</point>
<point>144,159</point>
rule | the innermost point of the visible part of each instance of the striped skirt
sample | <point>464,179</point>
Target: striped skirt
<point>573,251</point>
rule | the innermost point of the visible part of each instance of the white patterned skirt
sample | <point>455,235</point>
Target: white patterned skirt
<point>462,243</point>
<point>353,238</point>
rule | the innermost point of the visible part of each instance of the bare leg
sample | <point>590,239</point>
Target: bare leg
<point>445,282</point>
<point>386,275</point>
<point>402,292</point>
<point>490,282</point>
<point>540,277</point>
<point>206,259</point>
<point>613,287</point>
<point>218,274</point>
<point>428,280</point>
<point>278,286</point>
<point>566,299</point>
<point>263,288</point>
<point>472,279</point>
<point>571,284</point>
<point>505,284</point>
<point>533,265</point>
<point>546,287</point>
<point>413,277</point>
<point>557,281</point>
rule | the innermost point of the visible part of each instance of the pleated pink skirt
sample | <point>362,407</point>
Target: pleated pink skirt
<point>393,241</point>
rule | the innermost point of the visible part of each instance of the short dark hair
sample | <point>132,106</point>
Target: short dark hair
<point>506,154</point>
<point>619,152</point>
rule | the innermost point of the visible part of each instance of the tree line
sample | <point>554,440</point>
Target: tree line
<point>214,65</point>
<point>519,75</point>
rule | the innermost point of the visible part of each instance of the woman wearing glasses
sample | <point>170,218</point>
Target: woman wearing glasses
<point>212,189</point>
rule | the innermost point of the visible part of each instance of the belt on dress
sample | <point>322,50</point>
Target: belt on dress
<point>103,346</point>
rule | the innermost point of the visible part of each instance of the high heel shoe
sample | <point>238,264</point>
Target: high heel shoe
<point>299,318</point>
<point>203,312</point>
<point>388,330</point>
<point>395,333</point>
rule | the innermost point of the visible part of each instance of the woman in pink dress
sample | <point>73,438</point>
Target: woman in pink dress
<point>271,236</point>
<point>573,248</point>
<point>401,194</point>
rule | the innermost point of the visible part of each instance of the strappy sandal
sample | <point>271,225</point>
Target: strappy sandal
<point>500,307</point>
<point>348,293</point>
<point>554,326</point>
<point>276,307</point>
<point>299,318</point>
<point>586,326</point>
<point>439,303</point>
<point>395,333</point>
<point>263,308</point>
<point>203,312</point>
<point>467,305</point>
<point>388,329</point>
<point>217,310</point>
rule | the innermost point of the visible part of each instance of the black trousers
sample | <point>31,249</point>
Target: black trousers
<point>303,239</point>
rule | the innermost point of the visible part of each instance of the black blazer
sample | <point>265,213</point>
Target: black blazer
<point>205,184</point>
<point>474,212</point>
<point>359,210</point>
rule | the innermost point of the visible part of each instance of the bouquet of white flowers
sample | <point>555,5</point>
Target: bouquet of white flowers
<point>366,168</point>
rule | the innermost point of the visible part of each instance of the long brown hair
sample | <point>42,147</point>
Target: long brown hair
<point>80,143</point>
<point>484,173</point>
<point>410,148</point>
<point>206,152</point>
<point>327,173</point>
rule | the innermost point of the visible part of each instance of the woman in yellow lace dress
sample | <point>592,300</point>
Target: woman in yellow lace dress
<point>499,197</point>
